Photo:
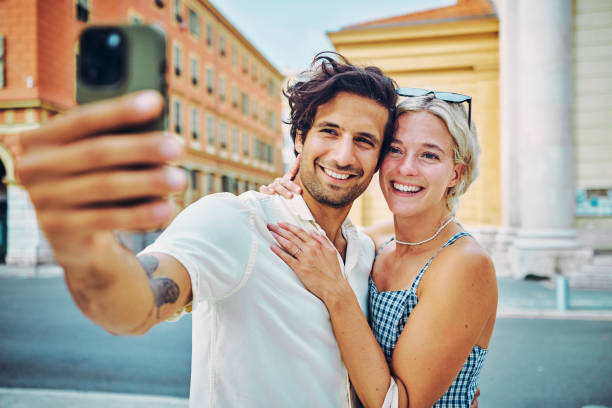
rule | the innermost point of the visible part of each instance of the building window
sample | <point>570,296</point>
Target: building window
<point>235,140</point>
<point>177,117</point>
<point>194,179</point>
<point>256,150</point>
<point>177,60</point>
<point>222,45</point>
<point>225,184</point>
<point>245,103</point>
<point>208,34</point>
<point>272,121</point>
<point>223,134</point>
<point>210,129</point>
<point>245,143</point>
<point>254,71</point>
<point>82,10</point>
<point>194,124</point>
<point>2,59</point>
<point>269,154</point>
<point>234,57</point>
<point>246,186</point>
<point>177,11</point>
<point>271,85</point>
<point>254,107</point>
<point>235,96</point>
<point>210,188</point>
<point>209,80</point>
<point>194,71</point>
<point>194,23</point>
<point>245,63</point>
<point>222,88</point>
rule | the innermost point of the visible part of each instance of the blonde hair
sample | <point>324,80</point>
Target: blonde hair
<point>465,139</point>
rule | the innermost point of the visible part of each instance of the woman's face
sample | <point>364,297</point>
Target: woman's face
<point>419,166</point>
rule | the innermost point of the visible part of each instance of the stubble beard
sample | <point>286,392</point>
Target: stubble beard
<point>330,198</point>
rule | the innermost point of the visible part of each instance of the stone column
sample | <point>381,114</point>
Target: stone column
<point>546,238</point>
<point>509,100</point>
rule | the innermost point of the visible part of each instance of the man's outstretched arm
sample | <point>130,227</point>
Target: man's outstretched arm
<point>86,180</point>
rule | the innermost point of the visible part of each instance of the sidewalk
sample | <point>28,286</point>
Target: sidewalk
<point>29,398</point>
<point>517,298</point>
<point>532,299</point>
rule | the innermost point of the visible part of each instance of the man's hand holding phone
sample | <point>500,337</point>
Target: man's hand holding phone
<point>105,166</point>
<point>86,178</point>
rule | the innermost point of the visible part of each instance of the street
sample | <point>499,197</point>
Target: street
<point>46,342</point>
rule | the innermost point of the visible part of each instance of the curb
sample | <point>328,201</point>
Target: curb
<point>34,398</point>
<point>29,272</point>
<point>519,313</point>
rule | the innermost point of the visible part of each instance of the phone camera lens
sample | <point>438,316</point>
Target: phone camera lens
<point>103,57</point>
<point>114,40</point>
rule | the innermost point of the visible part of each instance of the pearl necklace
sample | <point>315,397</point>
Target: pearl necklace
<point>428,239</point>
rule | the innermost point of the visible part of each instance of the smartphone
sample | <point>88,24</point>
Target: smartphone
<point>115,60</point>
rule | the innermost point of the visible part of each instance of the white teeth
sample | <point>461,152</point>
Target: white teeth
<point>405,188</point>
<point>336,175</point>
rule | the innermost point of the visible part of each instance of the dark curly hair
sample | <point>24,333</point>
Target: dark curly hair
<point>329,74</point>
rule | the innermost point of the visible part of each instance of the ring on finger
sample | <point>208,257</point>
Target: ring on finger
<point>297,251</point>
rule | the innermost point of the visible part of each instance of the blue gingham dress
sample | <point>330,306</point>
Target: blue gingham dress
<point>389,312</point>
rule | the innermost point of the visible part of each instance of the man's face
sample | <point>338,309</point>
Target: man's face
<point>341,149</point>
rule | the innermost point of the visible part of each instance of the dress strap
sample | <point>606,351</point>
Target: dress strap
<point>417,279</point>
<point>383,246</point>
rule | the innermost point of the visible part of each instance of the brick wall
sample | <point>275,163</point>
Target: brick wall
<point>18,26</point>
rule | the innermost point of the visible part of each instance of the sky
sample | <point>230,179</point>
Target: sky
<point>289,33</point>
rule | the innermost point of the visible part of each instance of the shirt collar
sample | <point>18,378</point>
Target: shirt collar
<point>298,206</point>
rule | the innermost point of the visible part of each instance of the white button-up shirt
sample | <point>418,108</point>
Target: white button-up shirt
<point>259,338</point>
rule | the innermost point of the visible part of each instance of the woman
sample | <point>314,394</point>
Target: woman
<point>433,292</point>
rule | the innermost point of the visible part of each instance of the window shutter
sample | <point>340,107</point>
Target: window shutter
<point>2,57</point>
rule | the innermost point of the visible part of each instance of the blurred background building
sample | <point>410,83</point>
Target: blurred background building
<point>540,74</point>
<point>224,96</point>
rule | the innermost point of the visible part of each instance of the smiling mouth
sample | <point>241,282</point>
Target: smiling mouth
<point>405,188</point>
<point>336,175</point>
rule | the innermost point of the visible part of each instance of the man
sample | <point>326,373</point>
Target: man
<point>259,337</point>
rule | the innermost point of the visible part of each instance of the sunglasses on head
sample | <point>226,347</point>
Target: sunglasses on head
<point>450,97</point>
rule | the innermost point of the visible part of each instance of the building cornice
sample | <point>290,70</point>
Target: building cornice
<point>415,30</point>
<point>31,103</point>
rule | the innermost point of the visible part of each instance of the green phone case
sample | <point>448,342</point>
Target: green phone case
<point>145,69</point>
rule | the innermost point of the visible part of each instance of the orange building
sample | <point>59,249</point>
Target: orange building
<point>224,96</point>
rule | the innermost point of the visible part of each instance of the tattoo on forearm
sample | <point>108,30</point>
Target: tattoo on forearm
<point>165,290</point>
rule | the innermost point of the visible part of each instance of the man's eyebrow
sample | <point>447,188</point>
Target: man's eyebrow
<point>326,124</point>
